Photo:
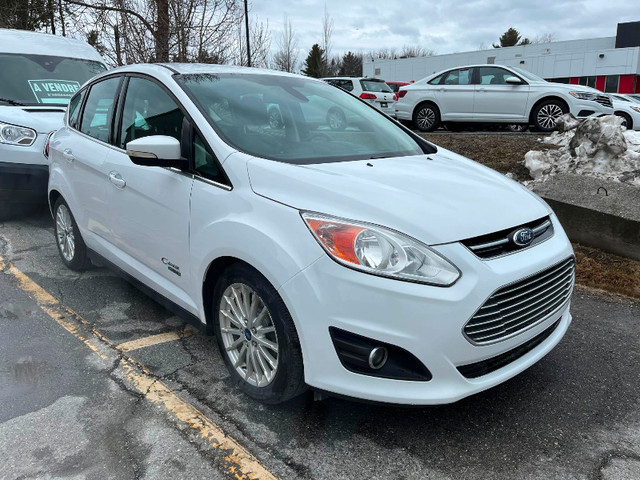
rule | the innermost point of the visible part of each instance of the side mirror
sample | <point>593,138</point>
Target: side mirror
<point>156,151</point>
<point>513,81</point>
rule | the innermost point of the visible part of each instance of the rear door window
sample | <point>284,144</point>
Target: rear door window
<point>98,110</point>
<point>458,77</point>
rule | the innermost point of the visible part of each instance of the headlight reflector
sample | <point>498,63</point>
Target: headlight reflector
<point>585,95</point>
<point>380,251</point>
<point>16,135</point>
<point>635,109</point>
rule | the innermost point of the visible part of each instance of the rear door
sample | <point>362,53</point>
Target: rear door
<point>85,151</point>
<point>150,206</point>
<point>455,95</point>
<point>498,101</point>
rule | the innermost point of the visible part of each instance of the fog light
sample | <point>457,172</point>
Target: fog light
<point>378,357</point>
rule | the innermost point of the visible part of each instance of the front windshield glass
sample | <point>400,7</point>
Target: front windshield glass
<point>42,79</point>
<point>296,120</point>
<point>527,75</point>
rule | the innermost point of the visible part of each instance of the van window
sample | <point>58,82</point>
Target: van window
<point>98,111</point>
<point>43,79</point>
<point>149,110</point>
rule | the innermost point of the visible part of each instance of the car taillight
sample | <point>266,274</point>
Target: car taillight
<point>395,96</point>
<point>368,96</point>
<point>402,93</point>
<point>46,145</point>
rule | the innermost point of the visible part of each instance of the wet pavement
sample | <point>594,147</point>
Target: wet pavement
<point>65,412</point>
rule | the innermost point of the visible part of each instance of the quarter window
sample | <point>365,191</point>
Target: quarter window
<point>204,162</point>
<point>98,111</point>
<point>74,109</point>
<point>149,110</point>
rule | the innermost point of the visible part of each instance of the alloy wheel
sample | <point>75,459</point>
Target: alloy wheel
<point>425,118</point>
<point>248,335</point>
<point>64,233</point>
<point>548,115</point>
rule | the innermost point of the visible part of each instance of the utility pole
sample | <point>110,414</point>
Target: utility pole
<point>246,23</point>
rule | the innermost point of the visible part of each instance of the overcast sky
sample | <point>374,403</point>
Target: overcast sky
<point>445,26</point>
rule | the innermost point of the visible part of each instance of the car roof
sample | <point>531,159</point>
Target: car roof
<point>36,43</point>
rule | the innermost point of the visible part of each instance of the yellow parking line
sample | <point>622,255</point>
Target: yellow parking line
<point>154,340</point>
<point>238,462</point>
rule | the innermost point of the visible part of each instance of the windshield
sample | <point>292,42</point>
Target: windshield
<point>42,79</point>
<point>296,120</point>
<point>527,75</point>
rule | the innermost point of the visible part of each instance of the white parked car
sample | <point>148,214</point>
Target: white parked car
<point>628,108</point>
<point>372,90</point>
<point>495,94</point>
<point>368,262</point>
<point>38,75</point>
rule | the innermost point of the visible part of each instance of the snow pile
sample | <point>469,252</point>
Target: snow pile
<point>598,147</point>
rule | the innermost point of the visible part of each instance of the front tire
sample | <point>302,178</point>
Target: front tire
<point>71,247</point>
<point>546,114</point>
<point>627,121</point>
<point>256,336</point>
<point>426,117</point>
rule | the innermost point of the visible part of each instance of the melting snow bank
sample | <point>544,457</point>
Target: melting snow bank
<point>598,147</point>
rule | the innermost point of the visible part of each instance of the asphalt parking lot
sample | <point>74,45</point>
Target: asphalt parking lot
<point>124,389</point>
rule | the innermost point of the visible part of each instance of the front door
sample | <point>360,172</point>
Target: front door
<point>151,205</point>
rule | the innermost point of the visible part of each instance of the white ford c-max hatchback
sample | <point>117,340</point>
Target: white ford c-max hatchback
<point>364,261</point>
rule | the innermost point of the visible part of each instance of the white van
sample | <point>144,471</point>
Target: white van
<point>39,73</point>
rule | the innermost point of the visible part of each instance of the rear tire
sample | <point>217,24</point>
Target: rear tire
<point>545,115</point>
<point>71,247</point>
<point>426,117</point>
<point>628,122</point>
<point>256,336</point>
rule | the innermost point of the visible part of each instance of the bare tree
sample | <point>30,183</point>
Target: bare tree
<point>544,38</point>
<point>409,51</point>
<point>286,58</point>
<point>383,54</point>
<point>327,32</point>
<point>260,38</point>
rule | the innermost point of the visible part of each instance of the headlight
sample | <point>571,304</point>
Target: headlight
<point>15,135</point>
<point>635,109</point>
<point>380,251</point>
<point>585,95</point>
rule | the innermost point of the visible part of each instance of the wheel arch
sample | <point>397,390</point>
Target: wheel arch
<point>546,99</point>
<point>54,195</point>
<point>626,116</point>
<point>426,102</point>
<point>211,276</point>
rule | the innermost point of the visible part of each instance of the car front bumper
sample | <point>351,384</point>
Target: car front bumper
<point>424,320</point>
<point>24,172</point>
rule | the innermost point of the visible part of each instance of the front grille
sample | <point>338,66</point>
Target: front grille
<point>499,243</point>
<point>520,305</point>
<point>478,369</point>
<point>604,100</point>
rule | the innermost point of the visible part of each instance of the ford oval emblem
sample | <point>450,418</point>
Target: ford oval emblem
<point>522,237</point>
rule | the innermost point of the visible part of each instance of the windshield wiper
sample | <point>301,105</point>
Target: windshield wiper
<point>12,102</point>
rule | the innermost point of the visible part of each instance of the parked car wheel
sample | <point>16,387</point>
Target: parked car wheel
<point>546,114</point>
<point>627,121</point>
<point>426,117</point>
<point>518,127</point>
<point>71,247</point>
<point>336,119</point>
<point>275,119</point>
<point>256,335</point>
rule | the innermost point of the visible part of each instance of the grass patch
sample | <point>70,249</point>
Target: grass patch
<point>598,269</point>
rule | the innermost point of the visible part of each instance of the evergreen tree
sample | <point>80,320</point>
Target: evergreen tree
<point>509,38</point>
<point>315,65</point>
<point>351,65</point>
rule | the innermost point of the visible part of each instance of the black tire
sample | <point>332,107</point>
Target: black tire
<point>545,114</point>
<point>426,117</point>
<point>518,127</point>
<point>78,258</point>
<point>336,119</point>
<point>288,380</point>
<point>628,122</point>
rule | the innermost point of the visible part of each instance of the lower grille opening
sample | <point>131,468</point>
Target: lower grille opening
<point>478,369</point>
<point>355,354</point>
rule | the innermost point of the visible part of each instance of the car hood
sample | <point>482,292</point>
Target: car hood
<point>41,119</point>
<point>436,198</point>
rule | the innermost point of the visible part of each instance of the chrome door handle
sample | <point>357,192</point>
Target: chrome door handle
<point>117,180</point>
<point>68,155</point>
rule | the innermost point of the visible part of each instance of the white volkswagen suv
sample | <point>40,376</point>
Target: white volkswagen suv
<point>495,94</point>
<point>365,262</point>
<point>373,90</point>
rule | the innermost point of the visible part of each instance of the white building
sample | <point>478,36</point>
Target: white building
<point>610,64</point>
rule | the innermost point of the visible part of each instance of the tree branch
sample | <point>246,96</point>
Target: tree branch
<point>116,9</point>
